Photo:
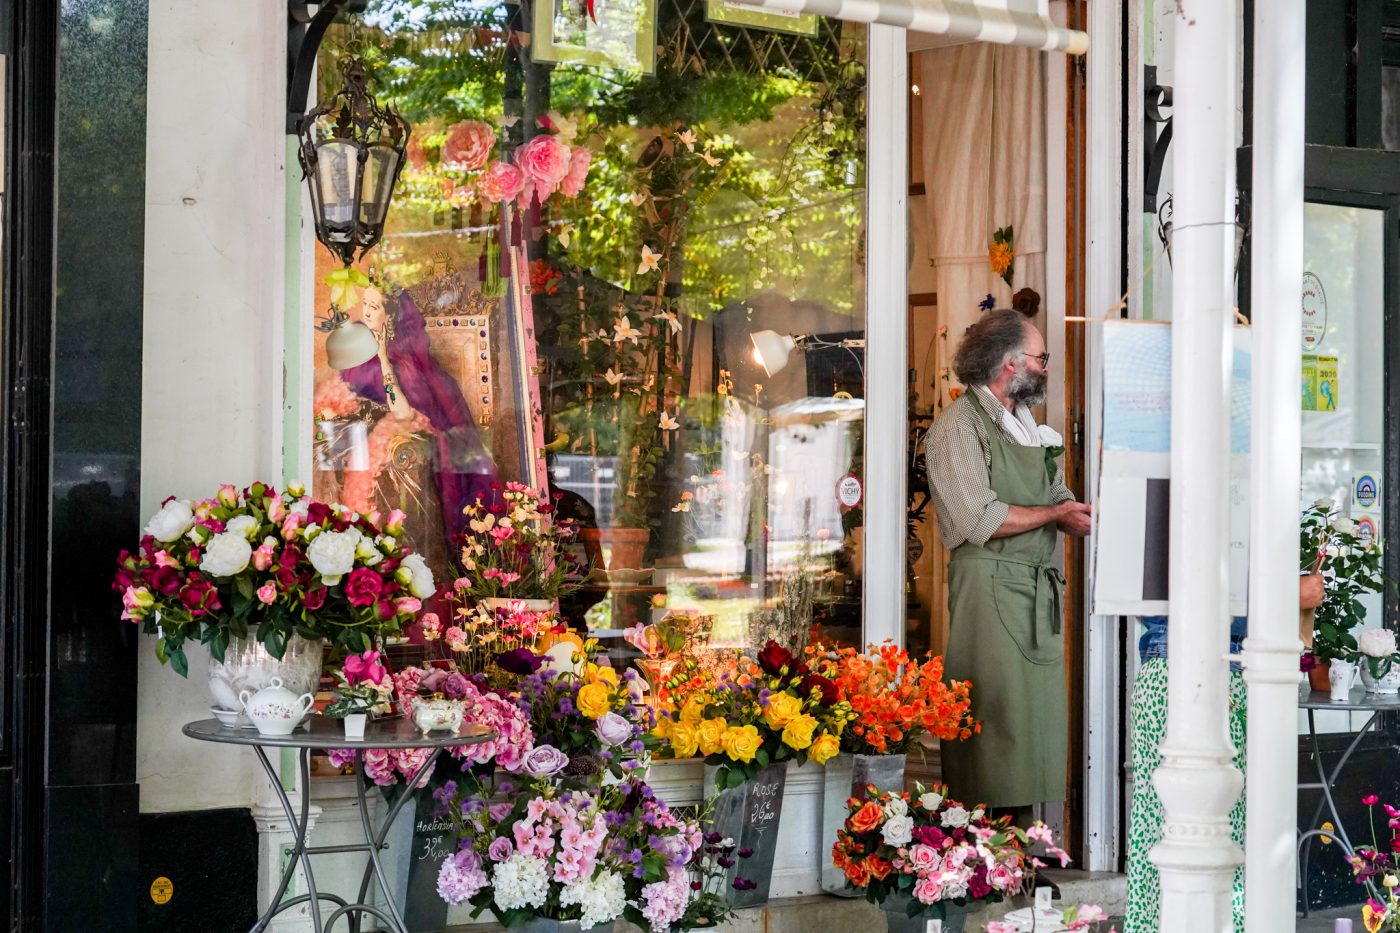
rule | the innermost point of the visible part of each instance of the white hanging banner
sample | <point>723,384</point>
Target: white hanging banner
<point>1008,22</point>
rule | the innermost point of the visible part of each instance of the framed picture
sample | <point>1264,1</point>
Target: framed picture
<point>624,35</point>
<point>731,13</point>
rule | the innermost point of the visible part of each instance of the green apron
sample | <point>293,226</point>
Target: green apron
<point>1005,637</point>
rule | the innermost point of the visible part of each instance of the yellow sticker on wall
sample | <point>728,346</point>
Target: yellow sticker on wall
<point>162,890</point>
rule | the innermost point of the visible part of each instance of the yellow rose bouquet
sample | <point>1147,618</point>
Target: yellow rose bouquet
<point>770,709</point>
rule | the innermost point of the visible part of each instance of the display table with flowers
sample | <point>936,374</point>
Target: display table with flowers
<point>392,736</point>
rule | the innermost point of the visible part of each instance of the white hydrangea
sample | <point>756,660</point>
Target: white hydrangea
<point>520,881</point>
<point>602,898</point>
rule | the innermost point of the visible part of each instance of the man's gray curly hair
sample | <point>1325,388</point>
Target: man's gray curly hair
<point>987,345</point>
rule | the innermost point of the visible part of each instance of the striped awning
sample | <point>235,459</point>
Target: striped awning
<point>1008,22</point>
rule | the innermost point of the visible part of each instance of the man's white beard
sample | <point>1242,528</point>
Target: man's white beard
<point>1026,388</point>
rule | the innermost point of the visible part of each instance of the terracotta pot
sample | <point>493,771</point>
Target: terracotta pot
<point>619,548</point>
<point>1317,677</point>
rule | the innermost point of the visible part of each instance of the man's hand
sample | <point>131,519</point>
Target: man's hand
<point>1074,518</point>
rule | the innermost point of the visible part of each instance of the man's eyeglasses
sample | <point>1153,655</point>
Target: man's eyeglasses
<point>1043,359</point>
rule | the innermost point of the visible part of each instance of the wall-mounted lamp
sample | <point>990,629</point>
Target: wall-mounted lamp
<point>772,350</point>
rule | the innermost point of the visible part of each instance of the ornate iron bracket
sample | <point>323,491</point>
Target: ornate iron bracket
<point>305,30</point>
<point>1155,144</point>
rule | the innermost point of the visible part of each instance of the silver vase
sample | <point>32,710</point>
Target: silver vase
<point>750,815</point>
<point>248,665</point>
<point>847,776</point>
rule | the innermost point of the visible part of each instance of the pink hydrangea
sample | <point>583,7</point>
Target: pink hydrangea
<point>663,902</point>
<point>460,877</point>
<point>500,182</point>
<point>468,144</point>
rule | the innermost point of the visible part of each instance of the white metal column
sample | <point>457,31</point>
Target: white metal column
<point>1271,650</point>
<point>1196,780</point>
<point>886,329</point>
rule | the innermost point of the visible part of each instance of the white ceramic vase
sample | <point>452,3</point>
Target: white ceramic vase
<point>1341,677</point>
<point>1388,684</point>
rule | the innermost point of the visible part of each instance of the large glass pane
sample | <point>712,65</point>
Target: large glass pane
<point>688,184</point>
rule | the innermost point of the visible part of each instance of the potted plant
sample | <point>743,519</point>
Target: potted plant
<point>364,690</point>
<point>749,722</point>
<point>896,700</point>
<point>516,551</point>
<point>263,579</point>
<point>922,856</point>
<point>1351,569</point>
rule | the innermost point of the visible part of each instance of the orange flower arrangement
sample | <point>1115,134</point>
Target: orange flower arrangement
<point>895,698</point>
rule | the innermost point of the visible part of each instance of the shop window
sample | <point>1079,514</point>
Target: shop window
<point>695,178</point>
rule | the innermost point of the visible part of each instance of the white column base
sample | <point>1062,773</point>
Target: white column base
<point>1196,857</point>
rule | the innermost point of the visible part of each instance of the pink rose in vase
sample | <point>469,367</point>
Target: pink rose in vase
<point>468,144</point>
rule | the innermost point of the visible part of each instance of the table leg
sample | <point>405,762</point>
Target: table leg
<point>298,849</point>
<point>1325,783</point>
<point>376,840</point>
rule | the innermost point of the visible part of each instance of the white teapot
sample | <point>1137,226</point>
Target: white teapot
<point>274,709</point>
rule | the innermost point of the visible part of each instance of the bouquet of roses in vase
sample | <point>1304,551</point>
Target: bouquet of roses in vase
<point>211,569</point>
<point>770,710</point>
<point>592,856</point>
<point>925,855</point>
<point>517,549</point>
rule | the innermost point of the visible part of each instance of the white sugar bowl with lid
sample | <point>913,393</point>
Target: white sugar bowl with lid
<point>274,709</point>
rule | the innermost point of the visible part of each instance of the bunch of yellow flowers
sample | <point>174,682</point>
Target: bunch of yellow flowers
<point>761,712</point>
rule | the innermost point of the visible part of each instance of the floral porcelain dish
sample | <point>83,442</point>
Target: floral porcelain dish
<point>438,714</point>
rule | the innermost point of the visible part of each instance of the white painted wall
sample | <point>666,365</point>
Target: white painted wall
<point>212,384</point>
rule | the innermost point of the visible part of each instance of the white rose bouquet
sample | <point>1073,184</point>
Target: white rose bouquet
<point>281,561</point>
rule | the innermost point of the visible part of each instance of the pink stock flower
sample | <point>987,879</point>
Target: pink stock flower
<point>456,639</point>
<point>430,625</point>
<point>579,162</point>
<point>267,594</point>
<point>545,161</point>
<point>468,144</point>
<point>500,182</point>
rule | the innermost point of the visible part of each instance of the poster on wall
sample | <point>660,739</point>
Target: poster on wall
<point>1132,503</point>
<point>730,13</point>
<point>1321,383</point>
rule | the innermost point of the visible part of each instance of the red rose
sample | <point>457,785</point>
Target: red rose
<point>314,599</point>
<point>317,513</point>
<point>830,694</point>
<point>866,818</point>
<point>199,596</point>
<point>164,580</point>
<point>362,587</point>
<point>773,658</point>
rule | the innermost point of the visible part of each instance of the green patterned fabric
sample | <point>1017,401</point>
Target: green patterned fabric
<point>1149,713</point>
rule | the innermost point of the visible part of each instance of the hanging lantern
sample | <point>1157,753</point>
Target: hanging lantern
<point>351,153</point>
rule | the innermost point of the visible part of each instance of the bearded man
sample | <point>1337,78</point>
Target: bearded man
<point>1001,503</point>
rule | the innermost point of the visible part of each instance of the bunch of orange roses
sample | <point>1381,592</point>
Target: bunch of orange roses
<point>894,698</point>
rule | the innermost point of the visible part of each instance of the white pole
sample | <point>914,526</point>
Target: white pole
<point>1271,650</point>
<point>1196,781</point>
<point>886,326</point>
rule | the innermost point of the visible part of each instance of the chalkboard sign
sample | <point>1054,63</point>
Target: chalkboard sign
<point>750,815</point>
<point>429,839</point>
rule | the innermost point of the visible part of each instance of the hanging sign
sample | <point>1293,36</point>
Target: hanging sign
<point>1314,312</point>
<point>849,491</point>
<point>1366,491</point>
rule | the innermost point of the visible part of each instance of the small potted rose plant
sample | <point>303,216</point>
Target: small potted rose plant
<point>365,689</point>
<point>1330,544</point>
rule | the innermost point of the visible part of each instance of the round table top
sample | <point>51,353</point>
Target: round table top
<point>322,732</point>
<point>1358,701</point>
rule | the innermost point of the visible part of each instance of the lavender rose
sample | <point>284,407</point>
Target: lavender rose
<point>454,686</point>
<point>501,849</point>
<point>545,760</point>
<point>498,811</point>
<point>613,729</point>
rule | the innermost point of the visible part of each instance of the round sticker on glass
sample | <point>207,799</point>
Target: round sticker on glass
<point>1314,312</point>
<point>1366,492</point>
<point>162,890</point>
<point>1366,530</point>
<point>849,491</point>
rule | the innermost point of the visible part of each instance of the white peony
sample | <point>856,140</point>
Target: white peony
<point>898,830</point>
<point>1048,436</point>
<point>954,817</point>
<point>930,801</point>
<point>1343,526</point>
<point>245,525</point>
<point>227,554</point>
<point>520,881</point>
<point>1377,643</point>
<point>173,520</point>
<point>333,554</point>
<point>422,585</point>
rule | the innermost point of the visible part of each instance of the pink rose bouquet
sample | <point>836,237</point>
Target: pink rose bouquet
<point>284,562</point>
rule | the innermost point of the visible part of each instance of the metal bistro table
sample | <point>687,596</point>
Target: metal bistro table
<point>394,732</point>
<point>1357,702</point>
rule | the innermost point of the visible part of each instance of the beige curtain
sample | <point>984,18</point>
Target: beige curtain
<point>983,151</point>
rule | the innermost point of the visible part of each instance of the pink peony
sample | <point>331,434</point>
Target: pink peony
<point>468,144</point>
<point>500,182</point>
<point>546,162</point>
<point>579,163</point>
